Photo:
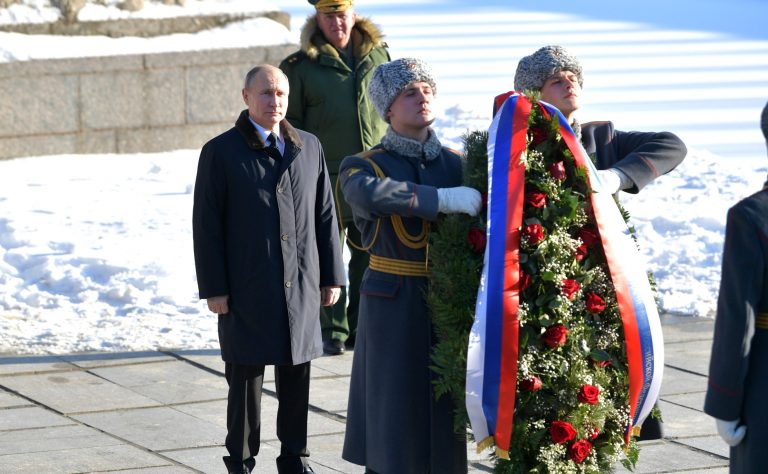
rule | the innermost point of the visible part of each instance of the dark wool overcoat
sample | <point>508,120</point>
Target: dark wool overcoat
<point>738,369</point>
<point>394,423</point>
<point>643,156</point>
<point>265,234</point>
<point>329,98</point>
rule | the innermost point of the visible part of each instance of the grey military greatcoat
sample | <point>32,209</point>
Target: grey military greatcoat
<point>642,156</point>
<point>394,423</point>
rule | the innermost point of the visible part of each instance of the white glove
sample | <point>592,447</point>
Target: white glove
<point>730,431</point>
<point>610,180</point>
<point>459,199</point>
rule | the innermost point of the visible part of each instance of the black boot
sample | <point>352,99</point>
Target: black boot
<point>651,428</point>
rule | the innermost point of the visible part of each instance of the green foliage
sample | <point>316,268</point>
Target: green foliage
<point>453,283</point>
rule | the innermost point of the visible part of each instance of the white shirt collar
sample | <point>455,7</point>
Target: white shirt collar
<point>265,133</point>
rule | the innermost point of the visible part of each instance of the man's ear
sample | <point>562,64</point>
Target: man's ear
<point>245,96</point>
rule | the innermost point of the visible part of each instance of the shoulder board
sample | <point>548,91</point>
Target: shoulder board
<point>368,156</point>
<point>369,153</point>
<point>455,152</point>
<point>293,57</point>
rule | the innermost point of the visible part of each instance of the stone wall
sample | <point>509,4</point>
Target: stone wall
<point>124,104</point>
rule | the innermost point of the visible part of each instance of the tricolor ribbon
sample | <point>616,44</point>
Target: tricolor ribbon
<point>493,341</point>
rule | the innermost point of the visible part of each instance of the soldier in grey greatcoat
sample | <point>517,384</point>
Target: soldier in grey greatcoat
<point>395,425</point>
<point>625,161</point>
<point>267,256</point>
<point>738,369</point>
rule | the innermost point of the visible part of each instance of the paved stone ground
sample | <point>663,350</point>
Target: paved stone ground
<point>164,412</point>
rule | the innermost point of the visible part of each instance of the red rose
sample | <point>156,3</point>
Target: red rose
<point>589,235</point>
<point>581,252</point>
<point>589,394</point>
<point>570,287</point>
<point>525,280</point>
<point>557,170</point>
<point>476,239</point>
<point>536,198</point>
<point>534,233</point>
<point>579,450</point>
<point>555,335</point>
<point>561,432</point>
<point>595,303</point>
<point>531,384</point>
<point>538,136</point>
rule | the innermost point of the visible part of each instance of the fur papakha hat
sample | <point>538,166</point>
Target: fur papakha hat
<point>764,122</point>
<point>534,70</point>
<point>389,80</point>
<point>331,6</point>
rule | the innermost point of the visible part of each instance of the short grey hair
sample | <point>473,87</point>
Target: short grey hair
<point>251,76</point>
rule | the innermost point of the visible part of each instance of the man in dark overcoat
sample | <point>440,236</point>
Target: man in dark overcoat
<point>329,78</point>
<point>738,369</point>
<point>267,256</point>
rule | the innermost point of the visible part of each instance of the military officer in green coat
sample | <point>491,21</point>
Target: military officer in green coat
<point>328,79</point>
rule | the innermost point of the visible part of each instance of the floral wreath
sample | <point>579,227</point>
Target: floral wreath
<point>571,411</point>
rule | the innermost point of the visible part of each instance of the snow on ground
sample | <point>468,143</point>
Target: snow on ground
<point>20,47</point>
<point>680,221</point>
<point>241,34</point>
<point>44,11</point>
<point>96,252</point>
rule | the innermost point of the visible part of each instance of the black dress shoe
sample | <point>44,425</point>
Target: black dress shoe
<point>651,428</point>
<point>308,469</point>
<point>350,342</point>
<point>333,347</point>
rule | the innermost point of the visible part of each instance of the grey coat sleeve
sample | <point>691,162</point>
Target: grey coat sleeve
<point>644,156</point>
<point>740,291</point>
<point>371,197</point>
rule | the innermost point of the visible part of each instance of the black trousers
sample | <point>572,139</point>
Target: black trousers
<point>244,416</point>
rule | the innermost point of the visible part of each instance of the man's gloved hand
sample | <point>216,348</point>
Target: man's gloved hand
<point>460,199</point>
<point>610,179</point>
<point>730,431</point>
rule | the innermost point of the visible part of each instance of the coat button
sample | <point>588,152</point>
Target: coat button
<point>284,236</point>
<point>279,189</point>
<point>288,284</point>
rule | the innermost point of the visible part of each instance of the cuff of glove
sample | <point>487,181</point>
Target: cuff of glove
<point>625,181</point>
